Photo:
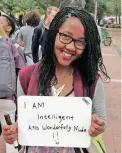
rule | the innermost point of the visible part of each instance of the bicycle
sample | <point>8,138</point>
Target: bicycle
<point>106,37</point>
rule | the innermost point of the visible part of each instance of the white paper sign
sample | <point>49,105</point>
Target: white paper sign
<point>54,121</point>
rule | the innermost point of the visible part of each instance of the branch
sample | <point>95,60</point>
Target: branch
<point>61,4</point>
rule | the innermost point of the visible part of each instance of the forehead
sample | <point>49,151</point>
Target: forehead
<point>74,26</point>
<point>3,19</point>
<point>53,12</point>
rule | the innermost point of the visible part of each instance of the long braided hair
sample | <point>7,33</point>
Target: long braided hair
<point>88,64</point>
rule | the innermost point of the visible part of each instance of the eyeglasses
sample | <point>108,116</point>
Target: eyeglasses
<point>66,39</point>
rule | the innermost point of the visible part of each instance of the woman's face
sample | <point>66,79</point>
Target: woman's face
<point>66,50</point>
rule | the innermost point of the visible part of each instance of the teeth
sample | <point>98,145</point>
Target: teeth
<point>66,54</point>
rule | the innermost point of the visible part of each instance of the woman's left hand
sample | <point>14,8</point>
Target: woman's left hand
<point>97,126</point>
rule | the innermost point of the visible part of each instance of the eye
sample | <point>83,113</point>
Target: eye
<point>65,36</point>
<point>79,42</point>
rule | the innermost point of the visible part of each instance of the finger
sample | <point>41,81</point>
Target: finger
<point>10,127</point>
<point>6,127</point>
<point>95,117</point>
<point>13,128</point>
<point>10,137</point>
<point>97,120</point>
<point>8,132</point>
<point>101,122</point>
<point>97,127</point>
<point>93,132</point>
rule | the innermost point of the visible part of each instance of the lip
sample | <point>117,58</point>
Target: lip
<point>70,53</point>
<point>66,57</point>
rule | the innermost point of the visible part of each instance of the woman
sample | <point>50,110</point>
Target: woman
<point>69,67</point>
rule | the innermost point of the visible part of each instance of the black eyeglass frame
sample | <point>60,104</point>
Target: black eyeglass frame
<point>73,39</point>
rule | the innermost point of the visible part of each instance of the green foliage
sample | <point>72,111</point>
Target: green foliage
<point>90,6</point>
<point>112,26</point>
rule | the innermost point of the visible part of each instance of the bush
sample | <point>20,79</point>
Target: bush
<point>117,26</point>
<point>106,26</point>
<point>112,26</point>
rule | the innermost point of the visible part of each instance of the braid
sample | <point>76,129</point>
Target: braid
<point>91,60</point>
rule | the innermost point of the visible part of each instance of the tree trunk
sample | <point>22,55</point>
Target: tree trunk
<point>119,19</point>
<point>116,18</point>
<point>99,21</point>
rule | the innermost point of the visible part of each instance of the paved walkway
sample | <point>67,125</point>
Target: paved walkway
<point>112,60</point>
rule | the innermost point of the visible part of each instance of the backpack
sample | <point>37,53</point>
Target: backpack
<point>29,85</point>
<point>22,54</point>
<point>7,70</point>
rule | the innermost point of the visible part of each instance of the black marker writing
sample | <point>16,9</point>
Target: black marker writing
<point>32,127</point>
<point>25,105</point>
<point>56,139</point>
<point>86,101</point>
<point>78,129</point>
<point>38,105</point>
<point>61,118</point>
<point>57,127</point>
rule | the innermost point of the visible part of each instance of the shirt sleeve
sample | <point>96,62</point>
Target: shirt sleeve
<point>98,106</point>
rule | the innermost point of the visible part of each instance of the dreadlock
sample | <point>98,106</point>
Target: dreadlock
<point>88,64</point>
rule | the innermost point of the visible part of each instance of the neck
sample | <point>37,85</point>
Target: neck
<point>47,22</point>
<point>63,70</point>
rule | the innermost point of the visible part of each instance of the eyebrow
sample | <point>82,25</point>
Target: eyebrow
<point>71,35</point>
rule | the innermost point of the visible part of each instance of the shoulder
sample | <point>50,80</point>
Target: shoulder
<point>22,28</point>
<point>27,71</point>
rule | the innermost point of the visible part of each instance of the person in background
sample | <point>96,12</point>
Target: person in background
<point>32,19</point>
<point>40,33</point>
<point>7,28</point>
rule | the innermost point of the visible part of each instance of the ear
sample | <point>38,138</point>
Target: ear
<point>8,29</point>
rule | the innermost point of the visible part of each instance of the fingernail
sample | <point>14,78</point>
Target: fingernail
<point>95,118</point>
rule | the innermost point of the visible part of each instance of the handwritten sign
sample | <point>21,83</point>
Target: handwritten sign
<point>54,121</point>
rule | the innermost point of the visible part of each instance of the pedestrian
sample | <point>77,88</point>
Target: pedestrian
<point>32,19</point>
<point>7,26</point>
<point>40,33</point>
<point>73,63</point>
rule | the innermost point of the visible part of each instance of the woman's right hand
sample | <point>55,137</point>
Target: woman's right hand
<point>10,133</point>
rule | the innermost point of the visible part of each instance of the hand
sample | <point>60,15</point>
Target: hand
<point>97,126</point>
<point>10,133</point>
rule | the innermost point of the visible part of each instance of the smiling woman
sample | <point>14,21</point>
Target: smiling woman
<point>71,62</point>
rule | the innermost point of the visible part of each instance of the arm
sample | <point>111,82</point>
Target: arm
<point>35,44</point>
<point>20,42</point>
<point>20,38</point>
<point>99,101</point>
<point>98,120</point>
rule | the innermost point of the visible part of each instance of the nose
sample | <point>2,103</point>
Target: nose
<point>71,46</point>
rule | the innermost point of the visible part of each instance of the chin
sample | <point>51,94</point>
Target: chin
<point>65,63</point>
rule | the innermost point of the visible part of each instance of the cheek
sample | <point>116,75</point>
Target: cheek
<point>4,26</point>
<point>58,46</point>
<point>79,52</point>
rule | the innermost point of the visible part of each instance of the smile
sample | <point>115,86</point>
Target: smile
<point>67,54</point>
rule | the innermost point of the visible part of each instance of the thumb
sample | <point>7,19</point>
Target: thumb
<point>14,127</point>
<point>95,117</point>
